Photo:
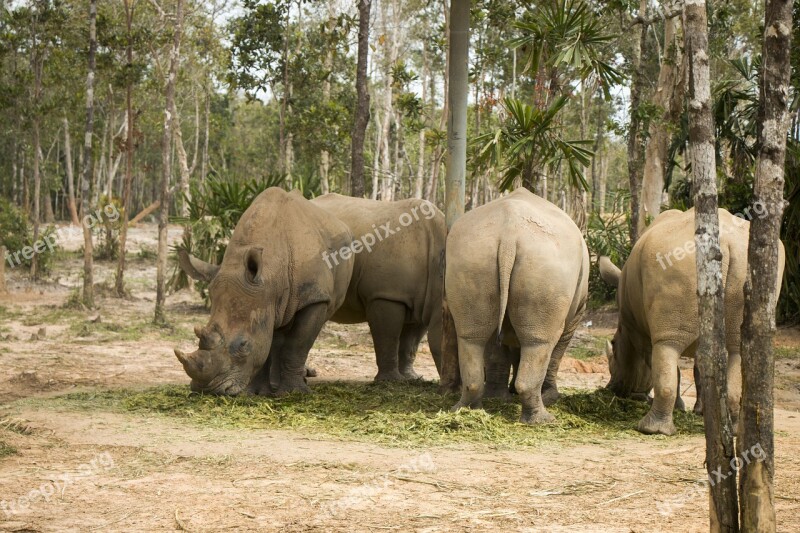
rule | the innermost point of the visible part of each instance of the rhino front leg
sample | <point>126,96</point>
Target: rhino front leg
<point>266,381</point>
<point>665,380</point>
<point>533,364</point>
<point>385,321</point>
<point>297,343</point>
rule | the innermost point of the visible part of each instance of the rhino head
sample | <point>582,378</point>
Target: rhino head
<point>235,344</point>
<point>628,358</point>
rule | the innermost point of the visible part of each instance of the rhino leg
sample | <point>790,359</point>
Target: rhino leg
<point>698,387</point>
<point>297,343</point>
<point>498,370</point>
<point>734,386</point>
<point>471,363</point>
<point>679,405</point>
<point>435,339</point>
<point>267,379</point>
<point>409,342</point>
<point>385,321</point>
<point>533,366</point>
<point>665,380</point>
<point>550,392</point>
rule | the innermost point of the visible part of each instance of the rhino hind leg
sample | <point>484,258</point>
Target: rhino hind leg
<point>385,321</point>
<point>471,364</point>
<point>291,362</point>
<point>665,380</point>
<point>533,364</point>
<point>550,394</point>
<point>409,342</point>
<point>498,371</point>
<point>698,404</point>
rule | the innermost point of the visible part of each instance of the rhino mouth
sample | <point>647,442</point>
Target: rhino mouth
<point>223,387</point>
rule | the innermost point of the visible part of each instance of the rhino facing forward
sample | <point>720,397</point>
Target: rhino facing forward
<point>396,286</point>
<point>658,312</point>
<point>518,270</point>
<point>269,298</point>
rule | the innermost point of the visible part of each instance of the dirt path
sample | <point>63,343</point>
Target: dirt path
<point>110,471</point>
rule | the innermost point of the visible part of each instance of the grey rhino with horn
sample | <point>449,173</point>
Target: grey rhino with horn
<point>517,274</point>
<point>269,298</point>
<point>396,285</point>
<point>658,313</point>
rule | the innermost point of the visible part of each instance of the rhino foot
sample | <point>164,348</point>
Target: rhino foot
<point>497,391</point>
<point>283,390</point>
<point>679,405</point>
<point>410,375</point>
<point>531,417</point>
<point>698,407</point>
<point>393,375</point>
<point>550,395</point>
<point>477,404</point>
<point>654,425</point>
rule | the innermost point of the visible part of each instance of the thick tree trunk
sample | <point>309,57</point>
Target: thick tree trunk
<point>73,211</point>
<point>119,285</point>
<point>357,185</point>
<point>758,329</point>
<point>456,166</point>
<point>88,162</point>
<point>711,352</point>
<point>170,120</point>
<point>635,140</point>
<point>669,97</point>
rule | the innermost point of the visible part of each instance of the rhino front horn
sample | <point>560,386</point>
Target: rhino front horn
<point>198,331</point>
<point>181,356</point>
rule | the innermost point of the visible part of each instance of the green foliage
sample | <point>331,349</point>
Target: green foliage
<point>789,302</point>
<point>16,234</point>
<point>395,414</point>
<point>607,235</point>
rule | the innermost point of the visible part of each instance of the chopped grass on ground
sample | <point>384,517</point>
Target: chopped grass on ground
<point>404,414</point>
<point>6,450</point>
<point>786,352</point>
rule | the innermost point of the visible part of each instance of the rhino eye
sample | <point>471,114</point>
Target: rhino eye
<point>252,264</point>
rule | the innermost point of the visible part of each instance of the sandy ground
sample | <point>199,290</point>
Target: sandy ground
<point>123,472</point>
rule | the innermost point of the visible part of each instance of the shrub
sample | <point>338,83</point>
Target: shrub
<point>16,233</point>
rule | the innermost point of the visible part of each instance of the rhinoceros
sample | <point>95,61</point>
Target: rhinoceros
<point>396,285</point>
<point>658,312</point>
<point>269,298</point>
<point>517,272</point>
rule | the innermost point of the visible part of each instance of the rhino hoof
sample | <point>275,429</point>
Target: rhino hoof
<point>698,408</point>
<point>535,418</point>
<point>679,405</point>
<point>288,389</point>
<point>550,395</point>
<point>653,425</point>
<point>410,375</point>
<point>394,375</point>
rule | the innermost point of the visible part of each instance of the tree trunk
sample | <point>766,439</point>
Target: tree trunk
<point>204,159</point>
<point>88,162</point>
<point>711,352</point>
<point>669,97</point>
<point>635,141</point>
<point>599,139</point>
<point>357,185</point>
<point>36,64</point>
<point>73,212</point>
<point>324,157</point>
<point>456,166</point>
<point>419,183</point>
<point>170,120</point>
<point>119,285</point>
<point>758,329</point>
<point>3,287</point>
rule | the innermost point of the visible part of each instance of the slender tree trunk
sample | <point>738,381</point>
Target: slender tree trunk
<point>419,183</point>
<point>170,120</point>
<point>36,63</point>
<point>761,293</point>
<point>3,287</point>
<point>204,159</point>
<point>357,185</point>
<point>126,193</point>
<point>73,211</point>
<point>669,97</point>
<point>599,138</point>
<point>711,352</point>
<point>88,162</point>
<point>324,157</point>
<point>635,140</point>
<point>456,166</point>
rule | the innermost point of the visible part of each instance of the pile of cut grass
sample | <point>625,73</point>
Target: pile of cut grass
<point>400,414</point>
<point>6,450</point>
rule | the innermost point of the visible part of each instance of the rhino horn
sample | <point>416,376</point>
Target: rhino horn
<point>609,271</point>
<point>194,365</point>
<point>196,268</point>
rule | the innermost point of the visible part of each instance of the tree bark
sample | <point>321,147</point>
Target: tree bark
<point>456,166</point>
<point>711,351</point>
<point>758,328</point>
<point>3,287</point>
<point>357,185</point>
<point>36,64</point>
<point>170,120</point>
<point>88,162</point>
<point>669,97</point>
<point>635,141</point>
<point>73,211</point>
<point>119,285</point>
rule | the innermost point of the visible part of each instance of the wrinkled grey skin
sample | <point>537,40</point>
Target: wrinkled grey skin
<point>269,298</point>
<point>517,266</point>
<point>658,313</point>
<point>396,285</point>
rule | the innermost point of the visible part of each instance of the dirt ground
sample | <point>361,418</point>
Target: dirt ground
<point>109,471</point>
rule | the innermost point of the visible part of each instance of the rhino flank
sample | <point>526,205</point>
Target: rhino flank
<point>396,286</point>
<point>517,271</point>
<point>658,313</point>
<point>269,298</point>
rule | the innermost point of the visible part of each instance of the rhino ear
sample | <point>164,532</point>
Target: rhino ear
<point>195,268</point>
<point>609,271</point>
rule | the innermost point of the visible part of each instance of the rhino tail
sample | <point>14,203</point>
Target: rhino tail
<point>506,253</point>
